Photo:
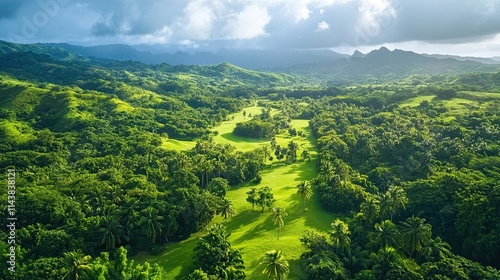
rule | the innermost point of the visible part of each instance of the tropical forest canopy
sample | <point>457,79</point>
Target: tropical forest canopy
<point>407,168</point>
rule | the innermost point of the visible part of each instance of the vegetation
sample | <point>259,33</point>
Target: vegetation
<point>400,179</point>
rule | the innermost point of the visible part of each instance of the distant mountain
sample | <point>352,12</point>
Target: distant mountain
<point>252,59</point>
<point>383,64</point>
<point>263,59</point>
<point>126,52</point>
<point>54,52</point>
<point>465,58</point>
<point>357,54</point>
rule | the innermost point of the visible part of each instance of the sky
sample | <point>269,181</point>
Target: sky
<point>462,27</point>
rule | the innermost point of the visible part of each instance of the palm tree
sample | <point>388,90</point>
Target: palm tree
<point>236,268</point>
<point>305,192</point>
<point>385,206</point>
<point>150,222</point>
<point>111,231</point>
<point>266,152</point>
<point>436,250</point>
<point>305,155</point>
<point>77,264</point>
<point>292,151</point>
<point>386,260</point>
<point>340,235</point>
<point>386,234</point>
<point>275,266</point>
<point>370,208</point>
<point>227,209</point>
<point>219,167</point>
<point>356,259</point>
<point>397,199</point>
<point>414,234</point>
<point>278,215</point>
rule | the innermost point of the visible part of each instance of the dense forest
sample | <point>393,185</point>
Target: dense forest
<point>409,169</point>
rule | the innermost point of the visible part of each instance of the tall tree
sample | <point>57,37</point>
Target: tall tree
<point>340,235</point>
<point>214,255</point>
<point>278,214</point>
<point>265,197</point>
<point>385,261</point>
<point>386,234</point>
<point>370,208</point>
<point>291,155</point>
<point>77,265</point>
<point>436,250</point>
<point>274,265</point>
<point>151,223</point>
<point>111,230</point>
<point>397,199</point>
<point>414,234</point>
<point>252,197</point>
<point>305,155</point>
<point>227,209</point>
<point>304,190</point>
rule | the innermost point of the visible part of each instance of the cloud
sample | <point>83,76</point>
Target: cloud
<point>252,23</point>
<point>248,24</point>
<point>323,26</point>
<point>9,8</point>
<point>198,20</point>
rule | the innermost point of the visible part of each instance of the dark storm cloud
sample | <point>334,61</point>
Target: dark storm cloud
<point>256,23</point>
<point>9,8</point>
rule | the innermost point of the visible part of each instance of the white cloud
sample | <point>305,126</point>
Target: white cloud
<point>198,21</point>
<point>250,23</point>
<point>161,36</point>
<point>323,26</point>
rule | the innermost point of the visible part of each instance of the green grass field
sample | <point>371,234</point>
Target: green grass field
<point>253,232</point>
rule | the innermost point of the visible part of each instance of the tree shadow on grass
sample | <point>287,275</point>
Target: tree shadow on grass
<point>240,139</point>
<point>180,256</point>
<point>257,230</point>
<point>304,170</point>
<point>241,219</point>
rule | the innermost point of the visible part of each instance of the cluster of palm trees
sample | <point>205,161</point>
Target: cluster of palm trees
<point>384,205</point>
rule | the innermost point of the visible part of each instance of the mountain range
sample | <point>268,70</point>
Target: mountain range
<point>323,65</point>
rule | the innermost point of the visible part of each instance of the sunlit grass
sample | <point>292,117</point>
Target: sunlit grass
<point>253,232</point>
<point>178,145</point>
<point>17,132</point>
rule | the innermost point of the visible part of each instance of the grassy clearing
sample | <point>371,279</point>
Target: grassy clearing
<point>17,132</point>
<point>178,145</point>
<point>253,232</point>
<point>414,102</point>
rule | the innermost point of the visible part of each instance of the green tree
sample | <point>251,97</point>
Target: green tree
<point>370,208</point>
<point>265,197</point>
<point>305,155</point>
<point>304,190</point>
<point>227,209</point>
<point>151,223</point>
<point>275,267</point>
<point>436,250</point>
<point>340,235</point>
<point>112,231</point>
<point>414,234</point>
<point>386,234</point>
<point>77,265</point>
<point>218,187</point>
<point>392,202</point>
<point>214,255</point>
<point>252,197</point>
<point>278,215</point>
<point>385,261</point>
<point>291,155</point>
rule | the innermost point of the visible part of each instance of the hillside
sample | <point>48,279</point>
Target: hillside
<point>129,170</point>
<point>385,65</point>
